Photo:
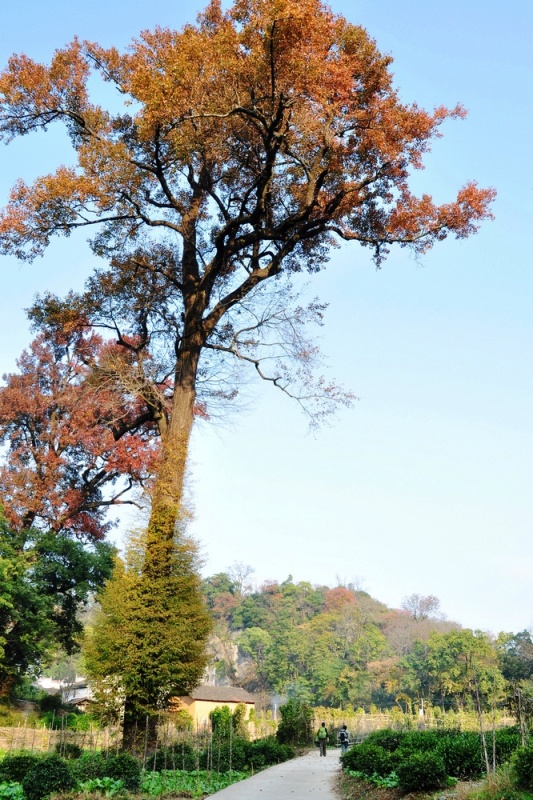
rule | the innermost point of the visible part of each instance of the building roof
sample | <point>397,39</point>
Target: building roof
<point>222,694</point>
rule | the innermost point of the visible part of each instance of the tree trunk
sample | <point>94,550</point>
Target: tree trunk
<point>139,732</point>
<point>168,487</point>
<point>481,723</point>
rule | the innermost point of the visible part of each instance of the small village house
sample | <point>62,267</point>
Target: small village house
<point>204,699</point>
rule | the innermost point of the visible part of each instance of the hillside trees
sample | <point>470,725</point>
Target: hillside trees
<point>515,655</point>
<point>340,647</point>
<point>246,146</point>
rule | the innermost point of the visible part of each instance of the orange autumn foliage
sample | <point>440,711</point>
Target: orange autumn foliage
<point>240,149</point>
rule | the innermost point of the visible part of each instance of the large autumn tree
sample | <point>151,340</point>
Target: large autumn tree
<point>239,150</point>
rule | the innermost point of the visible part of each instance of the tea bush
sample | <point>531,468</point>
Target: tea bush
<point>225,757</point>
<point>124,767</point>
<point>68,750</point>
<point>421,772</point>
<point>387,739</point>
<point>50,775</point>
<point>523,767</point>
<point>462,755</point>
<point>90,765</point>
<point>418,742</point>
<point>13,768</point>
<point>264,752</point>
<point>182,756</point>
<point>508,740</point>
<point>369,759</point>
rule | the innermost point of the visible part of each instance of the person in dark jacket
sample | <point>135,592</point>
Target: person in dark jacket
<point>344,739</point>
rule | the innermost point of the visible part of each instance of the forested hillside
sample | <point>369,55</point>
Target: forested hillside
<point>340,647</point>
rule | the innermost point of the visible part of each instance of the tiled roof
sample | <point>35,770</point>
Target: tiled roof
<point>222,694</point>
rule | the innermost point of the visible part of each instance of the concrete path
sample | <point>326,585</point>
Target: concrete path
<point>309,777</point>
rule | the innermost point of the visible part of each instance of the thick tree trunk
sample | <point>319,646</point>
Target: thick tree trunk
<point>139,730</point>
<point>168,488</point>
<point>139,733</point>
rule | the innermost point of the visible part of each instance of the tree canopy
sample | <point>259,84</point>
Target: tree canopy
<point>44,581</point>
<point>239,150</point>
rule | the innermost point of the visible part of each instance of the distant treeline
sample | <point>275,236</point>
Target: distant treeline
<point>339,647</point>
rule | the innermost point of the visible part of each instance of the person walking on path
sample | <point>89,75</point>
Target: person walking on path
<point>323,738</point>
<point>344,739</point>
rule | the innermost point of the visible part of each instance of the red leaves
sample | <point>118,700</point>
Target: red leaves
<point>418,222</point>
<point>63,467</point>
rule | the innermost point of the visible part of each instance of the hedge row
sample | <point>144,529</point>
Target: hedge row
<point>424,759</point>
<point>42,775</point>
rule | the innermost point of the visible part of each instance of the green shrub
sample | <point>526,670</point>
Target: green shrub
<point>124,767</point>
<point>50,702</point>
<point>523,767</point>
<point>418,742</point>
<point>90,765</point>
<point>264,752</point>
<point>13,768</point>
<point>223,757</point>
<point>68,750</point>
<point>462,754</point>
<point>369,759</point>
<point>387,739</point>
<point>421,772</point>
<point>508,740</point>
<point>51,774</point>
<point>295,725</point>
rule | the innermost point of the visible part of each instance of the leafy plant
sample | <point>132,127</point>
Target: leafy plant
<point>13,768</point>
<point>523,767</point>
<point>195,783</point>
<point>387,782</point>
<point>11,791</point>
<point>106,786</point>
<point>51,774</point>
<point>422,772</point>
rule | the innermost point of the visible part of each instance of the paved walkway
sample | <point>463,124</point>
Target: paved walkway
<point>309,777</point>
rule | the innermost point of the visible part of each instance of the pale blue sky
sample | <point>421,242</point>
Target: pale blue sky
<point>425,485</point>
